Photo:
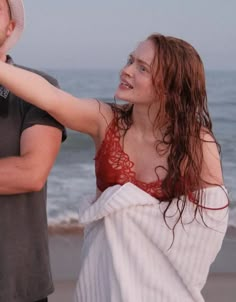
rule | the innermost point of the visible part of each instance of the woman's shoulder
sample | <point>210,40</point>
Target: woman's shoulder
<point>210,146</point>
<point>112,112</point>
<point>211,163</point>
<point>106,116</point>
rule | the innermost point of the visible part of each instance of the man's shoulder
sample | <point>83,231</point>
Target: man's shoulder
<point>45,75</point>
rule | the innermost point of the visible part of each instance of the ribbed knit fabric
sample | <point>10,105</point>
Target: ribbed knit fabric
<point>129,254</point>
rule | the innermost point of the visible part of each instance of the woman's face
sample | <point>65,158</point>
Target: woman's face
<point>136,77</point>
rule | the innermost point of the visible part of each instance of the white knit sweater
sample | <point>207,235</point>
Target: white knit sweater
<point>129,254</point>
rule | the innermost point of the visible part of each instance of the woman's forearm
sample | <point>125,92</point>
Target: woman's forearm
<point>28,86</point>
<point>75,113</point>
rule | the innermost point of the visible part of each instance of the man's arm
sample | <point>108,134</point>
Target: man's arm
<point>28,172</point>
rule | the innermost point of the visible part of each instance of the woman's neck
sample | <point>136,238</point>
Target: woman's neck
<point>144,121</point>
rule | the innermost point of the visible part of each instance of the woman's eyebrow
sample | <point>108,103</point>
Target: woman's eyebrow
<point>132,56</point>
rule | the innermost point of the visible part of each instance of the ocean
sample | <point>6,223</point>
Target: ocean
<point>72,178</point>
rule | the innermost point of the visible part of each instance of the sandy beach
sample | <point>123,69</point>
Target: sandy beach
<point>219,288</point>
<point>65,247</point>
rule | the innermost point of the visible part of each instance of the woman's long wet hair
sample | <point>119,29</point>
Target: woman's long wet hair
<point>179,80</point>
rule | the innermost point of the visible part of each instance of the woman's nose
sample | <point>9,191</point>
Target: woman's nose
<point>127,70</point>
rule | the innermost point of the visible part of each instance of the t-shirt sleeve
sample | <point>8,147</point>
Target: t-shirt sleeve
<point>35,116</point>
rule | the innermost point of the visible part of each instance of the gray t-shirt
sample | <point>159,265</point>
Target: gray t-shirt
<point>25,273</point>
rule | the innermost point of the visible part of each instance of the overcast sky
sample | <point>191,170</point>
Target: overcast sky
<point>99,34</point>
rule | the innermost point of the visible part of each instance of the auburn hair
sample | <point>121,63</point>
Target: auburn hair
<point>178,77</point>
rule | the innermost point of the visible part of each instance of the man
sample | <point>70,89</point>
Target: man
<point>29,143</point>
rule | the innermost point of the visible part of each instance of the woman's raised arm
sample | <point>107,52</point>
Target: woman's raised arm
<point>78,114</point>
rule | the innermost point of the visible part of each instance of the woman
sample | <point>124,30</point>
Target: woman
<point>158,166</point>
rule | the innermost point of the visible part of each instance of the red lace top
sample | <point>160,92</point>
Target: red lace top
<point>113,166</point>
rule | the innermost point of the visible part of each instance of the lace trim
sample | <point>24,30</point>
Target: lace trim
<point>111,153</point>
<point>112,160</point>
